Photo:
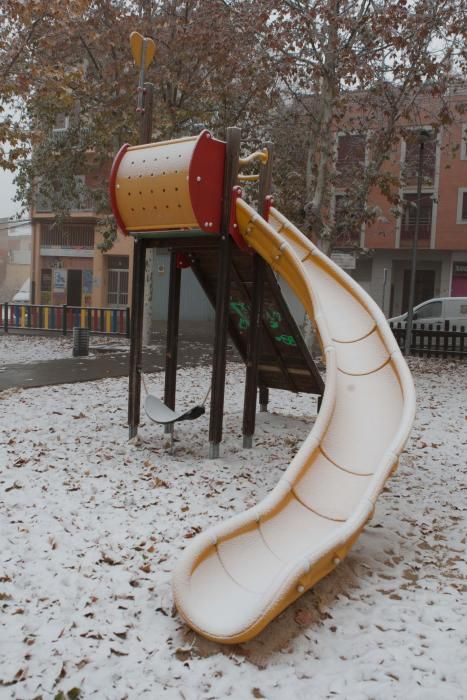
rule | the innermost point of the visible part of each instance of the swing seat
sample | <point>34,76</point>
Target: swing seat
<point>158,412</point>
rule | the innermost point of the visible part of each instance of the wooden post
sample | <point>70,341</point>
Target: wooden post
<point>256,316</point>
<point>145,136</point>
<point>223,296</point>
<point>171,353</point>
<point>138,286</point>
<point>263,399</point>
<point>135,359</point>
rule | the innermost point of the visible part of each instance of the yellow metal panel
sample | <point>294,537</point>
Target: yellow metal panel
<point>108,320</point>
<point>151,187</point>
<point>136,44</point>
<point>46,317</point>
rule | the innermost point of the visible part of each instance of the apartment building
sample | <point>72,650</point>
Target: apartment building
<point>384,267</point>
<point>69,265</point>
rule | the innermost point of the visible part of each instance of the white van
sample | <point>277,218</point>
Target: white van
<point>23,295</point>
<point>434,311</point>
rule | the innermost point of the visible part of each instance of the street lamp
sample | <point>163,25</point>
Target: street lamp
<point>423,136</point>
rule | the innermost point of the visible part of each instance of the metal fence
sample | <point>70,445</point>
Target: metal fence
<point>62,319</point>
<point>433,340</point>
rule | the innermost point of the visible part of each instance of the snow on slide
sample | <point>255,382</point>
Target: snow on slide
<point>236,577</point>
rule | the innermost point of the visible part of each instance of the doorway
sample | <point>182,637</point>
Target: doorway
<point>424,287</point>
<point>74,287</point>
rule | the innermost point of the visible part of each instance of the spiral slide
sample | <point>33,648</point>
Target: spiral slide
<point>238,576</point>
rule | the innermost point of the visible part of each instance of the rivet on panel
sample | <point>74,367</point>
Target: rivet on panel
<point>336,561</point>
<point>301,589</point>
<point>198,179</point>
<point>117,187</point>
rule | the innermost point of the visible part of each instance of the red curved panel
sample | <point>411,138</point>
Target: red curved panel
<point>112,183</point>
<point>206,181</point>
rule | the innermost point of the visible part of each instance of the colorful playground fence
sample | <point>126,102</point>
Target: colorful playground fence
<point>44,317</point>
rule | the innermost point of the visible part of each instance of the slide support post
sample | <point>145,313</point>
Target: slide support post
<point>171,352</point>
<point>256,316</point>
<point>135,359</point>
<point>223,296</point>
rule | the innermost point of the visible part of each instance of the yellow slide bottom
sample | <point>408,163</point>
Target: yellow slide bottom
<point>238,576</point>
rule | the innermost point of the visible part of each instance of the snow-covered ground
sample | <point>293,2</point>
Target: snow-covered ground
<point>15,348</point>
<point>91,527</point>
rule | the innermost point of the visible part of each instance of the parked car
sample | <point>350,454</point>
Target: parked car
<point>23,295</point>
<point>434,311</point>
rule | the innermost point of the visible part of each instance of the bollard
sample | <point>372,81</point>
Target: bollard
<point>80,342</point>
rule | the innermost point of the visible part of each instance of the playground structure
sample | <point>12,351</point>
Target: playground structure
<point>181,195</point>
<point>235,578</point>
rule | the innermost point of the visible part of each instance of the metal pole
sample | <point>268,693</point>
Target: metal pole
<point>171,351</point>
<point>413,269</point>
<point>256,316</point>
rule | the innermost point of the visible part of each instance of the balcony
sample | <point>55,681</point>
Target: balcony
<point>67,240</point>
<point>81,203</point>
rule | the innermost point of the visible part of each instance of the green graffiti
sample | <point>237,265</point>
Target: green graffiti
<point>243,312</point>
<point>286,339</point>
<point>273,317</point>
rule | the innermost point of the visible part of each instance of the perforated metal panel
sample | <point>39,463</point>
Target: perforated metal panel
<point>170,185</point>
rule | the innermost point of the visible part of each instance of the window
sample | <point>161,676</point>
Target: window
<point>346,222</point>
<point>462,205</point>
<point>463,148</point>
<point>117,280</point>
<point>350,156</point>
<point>412,158</point>
<point>409,217</point>
<point>62,122</point>
<point>432,310</point>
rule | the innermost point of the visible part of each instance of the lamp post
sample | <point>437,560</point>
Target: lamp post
<point>423,137</point>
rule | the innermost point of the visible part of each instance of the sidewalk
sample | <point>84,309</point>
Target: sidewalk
<point>192,351</point>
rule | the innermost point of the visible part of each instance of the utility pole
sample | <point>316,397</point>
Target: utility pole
<point>423,137</point>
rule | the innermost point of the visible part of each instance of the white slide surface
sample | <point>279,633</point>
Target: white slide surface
<point>233,579</point>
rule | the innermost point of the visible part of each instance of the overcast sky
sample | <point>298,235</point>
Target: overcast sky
<point>7,192</point>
